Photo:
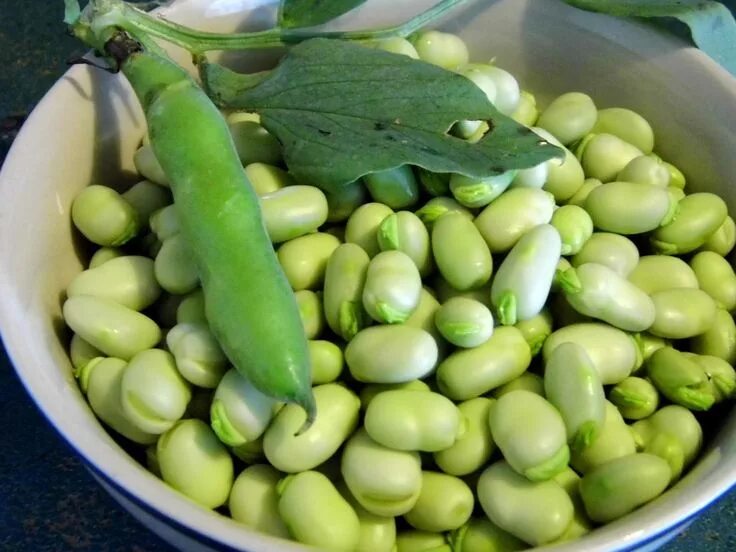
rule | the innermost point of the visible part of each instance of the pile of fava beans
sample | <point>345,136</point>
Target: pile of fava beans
<point>497,363</point>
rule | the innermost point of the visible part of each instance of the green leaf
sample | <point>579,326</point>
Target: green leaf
<point>309,13</point>
<point>711,24</point>
<point>342,111</point>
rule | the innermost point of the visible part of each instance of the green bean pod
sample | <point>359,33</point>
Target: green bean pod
<point>512,215</point>
<point>719,340</point>
<point>405,232</point>
<point>612,250</point>
<point>682,313</point>
<point>635,398</point>
<point>472,449</point>
<point>254,500</point>
<point>438,206</point>
<point>660,272</point>
<point>343,202</point>
<point>239,412</point>
<point>614,352</point>
<point>392,287</point>
<point>101,380</point>
<point>523,281</point>
<point>384,481</point>
<point>530,433</point>
<point>363,225</point>
<point>622,485</point>
<point>464,322</point>
<point>482,535</point>
<point>698,217</point>
<point>110,327</point>
<point>615,440</point>
<point>445,503</point>
<point>722,240</point>
<point>460,252</point>
<point>391,354</point>
<point>629,208</point>
<point>573,386</point>
<point>645,170</point>
<point>290,451</point>
<point>606,295</point>
<point>537,512</point>
<point>569,117</point>
<point>680,379</point>
<point>403,419</point>
<point>316,514</point>
<point>195,463</point>
<point>604,155</point>
<point>104,217</point>
<point>148,166</point>
<point>479,192</point>
<point>470,373</point>
<point>267,179</point>
<point>198,354</point>
<point>397,188</point>
<point>343,290</point>
<point>292,212</point>
<point>716,277</point>
<point>627,125</point>
<point>127,280</point>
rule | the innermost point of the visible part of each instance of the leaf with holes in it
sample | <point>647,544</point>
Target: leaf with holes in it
<point>711,24</point>
<point>309,13</point>
<point>342,110</point>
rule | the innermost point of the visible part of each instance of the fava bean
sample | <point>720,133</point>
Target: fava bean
<point>698,217</point>
<point>464,322</point>
<point>104,217</point>
<point>528,381</point>
<point>536,330</point>
<point>469,373</point>
<point>363,224</point>
<point>293,212</point>
<point>564,177</point>
<point>391,354</point>
<point>326,360</point>
<point>311,312</point>
<point>614,440</point>
<point>579,197</point>
<point>316,514</point>
<point>444,49</point>
<point>512,215</point>
<point>254,500</point>
<point>405,232</point>
<point>81,352</point>
<point>397,45</point>
<point>146,198</point>
<point>239,412</point>
<point>384,481</point>
<point>392,287</point>
<point>719,340</point>
<point>614,352</point>
<point>645,170</point>
<point>569,117</point>
<point>508,94</point>
<point>604,155</point>
<point>715,277</point>
<point>396,188</point>
<point>377,533</point>
<point>445,503</point>
<point>345,200</point>
<point>413,420</point>
<point>165,222</point>
<point>191,308</point>
<point>198,355</point>
<point>616,252</point>
<point>195,463</point>
<point>627,125</point>
<point>148,166</point>
<point>438,206</point>
<point>526,112</point>
<point>622,485</point>
<point>267,179</point>
<point>304,259</point>
<point>678,421</point>
<point>482,535</point>
<point>669,449</point>
<point>721,376</point>
<point>629,208</point>
<point>435,184</point>
<point>293,452</point>
<point>575,227</point>
<point>535,512</point>
<point>723,239</point>
<point>369,392</point>
<point>110,327</point>
<point>635,398</point>
<point>460,252</point>
<point>479,192</point>
<point>174,266</point>
<point>680,379</point>
<point>254,143</point>
<point>421,541</point>
<point>682,313</point>
<point>472,449</point>
<point>102,255</point>
<point>660,272</point>
<point>648,344</point>
<point>533,177</point>
<point>343,290</point>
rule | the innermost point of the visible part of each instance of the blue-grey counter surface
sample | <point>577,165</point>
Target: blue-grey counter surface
<point>48,501</point>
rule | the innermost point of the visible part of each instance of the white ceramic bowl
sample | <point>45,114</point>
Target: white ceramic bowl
<point>86,129</point>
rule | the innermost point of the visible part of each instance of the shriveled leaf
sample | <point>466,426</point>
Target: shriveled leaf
<point>309,13</point>
<point>712,25</point>
<point>342,111</point>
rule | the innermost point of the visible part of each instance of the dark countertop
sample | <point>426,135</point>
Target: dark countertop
<point>48,501</point>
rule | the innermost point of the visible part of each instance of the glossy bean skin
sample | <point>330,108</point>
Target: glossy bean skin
<point>573,386</point>
<point>621,485</point>
<point>508,94</point>
<point>267,179</point>
<point>311,312</point>
<point>104,217</point>
<point>377,533</point>
<point>413,540</point>
<point>682,313</point>
<point>604,155</point>
<point>574,226</point>
<point>613,250</point>
<point>413,420</point>
<point>392,287</point>
<point>343,290</point>
<point>482,535</point>
<point>680,379</point>
<point>391,354</point>
<point>290,451</point>
<point>479,192</point>
<point>535,512</point>
<point>254,500</point>
<point>569,117</point>
<point>438,206</point>
<point>444,49</point>
<point>198,355</point>
<point>254,143</point>
<point>635,398</point>
<point>716,277</point>
<point>362,226</point>
<point>293,211</point>
<point>530,433</point>
<point>614,353</point>
<point>699,216</point>
<point>579,197</point>
<point>723,239</point>
<point>565,176</point>
<point>526,112</point>
<point>423,318</point>
<point>528,381</point>
<point>327,361</point>
<point>148,166</point>
<point>461,254</point>
<point>396,188</point>
<point>627,125</point>
<point>304,259</point>
<point>464,322</point>
<point>146,198</point>
<point>472,449</point>
<point>719,340</point>
<point>721,376</point>
<point>370,391</point>
<point>536,330</point>
<point>645,170</point>
<point>384,481</point>
<point>470,373</point>
<point>445,503</point>
<point>174,266</point>
<point>615,440</point>
<point>676,420</point>
<point>405,232</point>
<point>343,202</point>
<point>316,514</point>
<point>629,208</point>
<point>81,353</point>
<point>660,272</point>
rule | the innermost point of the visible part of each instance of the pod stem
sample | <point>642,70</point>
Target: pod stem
<point>307,402</point>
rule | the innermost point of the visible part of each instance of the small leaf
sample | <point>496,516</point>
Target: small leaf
<point>711,24</point>
<point>342,111</point>
<point>310,13</point>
